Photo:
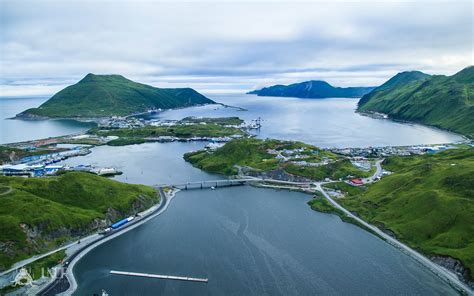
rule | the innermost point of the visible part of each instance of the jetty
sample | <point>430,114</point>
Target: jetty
<point>160,276</point>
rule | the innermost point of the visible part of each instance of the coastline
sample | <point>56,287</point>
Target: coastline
<point>438,270</point>
<point>87,119</point>
<point>69,272</point>
<point>379,115</point>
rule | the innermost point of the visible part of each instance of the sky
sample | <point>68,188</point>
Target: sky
<point>228,46</point>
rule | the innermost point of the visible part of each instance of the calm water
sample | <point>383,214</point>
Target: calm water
<point>247,241</point>
<point>325,123</point>
<point>21,130</point>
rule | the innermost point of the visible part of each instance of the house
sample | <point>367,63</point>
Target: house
<point>356,182</point>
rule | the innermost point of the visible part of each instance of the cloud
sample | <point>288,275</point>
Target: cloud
<point>221,46</point>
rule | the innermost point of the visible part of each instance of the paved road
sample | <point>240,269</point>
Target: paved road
<point>33,259</point>
<point>377,174</point>
<point>61,282</point>
<point>436,269</point>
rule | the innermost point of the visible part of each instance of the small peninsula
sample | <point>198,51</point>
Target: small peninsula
<point>314,89</point>
<point>112,95</point>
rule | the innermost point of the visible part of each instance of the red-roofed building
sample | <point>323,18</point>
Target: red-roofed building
<point>357,182</point>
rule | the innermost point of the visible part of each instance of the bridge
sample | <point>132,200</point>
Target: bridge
<point>230,182</point>
<point>209,183</point>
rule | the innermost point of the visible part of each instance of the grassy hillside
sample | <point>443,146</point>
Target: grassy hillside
<point>312,89</point>
<point>445,102</point>
<point>40,213</point>
<point>427,202</point>
<point>247,152</point>
<point>334,171</point>
<point>107,95</point>
<point>254,154</point>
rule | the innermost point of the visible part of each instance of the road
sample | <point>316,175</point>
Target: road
<point>378,172</point>
<point>62,282</point>
<point>33,259</point>
<point>436,269</point>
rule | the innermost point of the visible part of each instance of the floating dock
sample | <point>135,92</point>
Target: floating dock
<point>159,276</point>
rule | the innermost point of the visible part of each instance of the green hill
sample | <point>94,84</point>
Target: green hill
<point>442,101</point>
<point>428,202</point>
<point>37,214</point>
<point>107,95</point>
<point>314,89</point>
<point>259,157</point>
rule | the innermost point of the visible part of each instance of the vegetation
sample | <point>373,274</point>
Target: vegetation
<point>39,267</point>
<point>312,89</point>
<point>128,136</point>
<point>344,187</point>
<point>40,213</point>
<point>254,154</point>
<point>441,101</point>
<point>245,152</point>
<point>321,204</point>
<point>213,120</point>
<point>126,141</point>
<point>428,202</point>
<point>336,170</point>
<point>108,95</point>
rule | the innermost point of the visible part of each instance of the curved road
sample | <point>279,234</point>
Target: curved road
<point>62,283</point>
<point>436,269</point>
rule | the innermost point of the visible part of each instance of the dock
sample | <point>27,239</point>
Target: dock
<point>160,276</point>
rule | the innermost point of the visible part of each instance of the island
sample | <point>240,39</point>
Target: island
<point>131,131</point>
<point>112,95</point>
<point>314,89</point>
<point>446,102</point>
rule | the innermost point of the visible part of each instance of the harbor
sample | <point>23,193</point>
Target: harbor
<point>226,217</point>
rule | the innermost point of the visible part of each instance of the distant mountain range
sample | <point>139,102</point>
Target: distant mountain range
<point>108,95</point>
<point>314,89</point>
<point>442,101</point>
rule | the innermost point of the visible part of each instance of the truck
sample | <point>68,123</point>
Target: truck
<point>121,222</point>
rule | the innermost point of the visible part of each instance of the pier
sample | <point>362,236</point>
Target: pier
<point>159,276</point>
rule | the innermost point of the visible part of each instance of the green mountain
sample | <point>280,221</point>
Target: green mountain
<point>314,89</point>
<point>442,101</point>
<point>107,95</point>
<point>396,81</point>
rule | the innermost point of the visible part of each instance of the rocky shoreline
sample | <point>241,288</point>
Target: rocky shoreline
<point>455,266</point>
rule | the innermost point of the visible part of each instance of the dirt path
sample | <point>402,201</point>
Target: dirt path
<point>2,187</point>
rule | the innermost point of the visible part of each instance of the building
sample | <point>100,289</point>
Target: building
<point>356,182</point>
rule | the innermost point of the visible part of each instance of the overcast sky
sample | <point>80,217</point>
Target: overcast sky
<point>231,46</point>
